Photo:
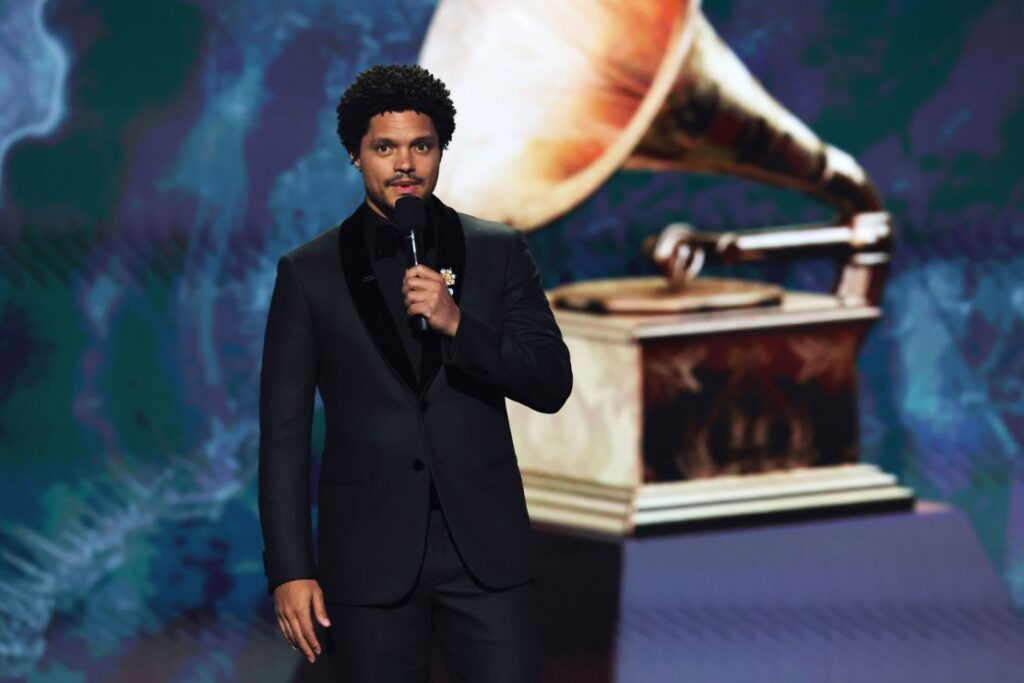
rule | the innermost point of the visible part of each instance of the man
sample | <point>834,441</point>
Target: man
<point>423,526</point>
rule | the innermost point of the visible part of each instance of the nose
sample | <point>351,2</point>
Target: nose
<point>404,161</point>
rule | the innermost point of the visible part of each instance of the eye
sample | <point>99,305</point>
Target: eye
<point>423,147</point>
<point>382,148</point>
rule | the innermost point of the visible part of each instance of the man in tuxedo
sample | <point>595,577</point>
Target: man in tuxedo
<point>423,529</point>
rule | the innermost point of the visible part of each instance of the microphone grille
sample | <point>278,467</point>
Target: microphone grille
<point>410,213</point>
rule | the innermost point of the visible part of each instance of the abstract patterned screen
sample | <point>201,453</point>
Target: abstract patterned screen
<point>157,157</point>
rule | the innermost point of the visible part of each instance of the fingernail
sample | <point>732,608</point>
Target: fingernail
<point>326,622</point>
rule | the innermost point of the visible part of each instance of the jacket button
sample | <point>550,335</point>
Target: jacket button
<point>424,405</point>
<point>417,464</point>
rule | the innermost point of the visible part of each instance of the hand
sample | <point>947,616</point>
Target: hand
<point>426,294</point>
<point>292,603</point>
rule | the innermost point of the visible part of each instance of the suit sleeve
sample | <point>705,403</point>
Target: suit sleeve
<point>287,386</point>
<point>525,356</point>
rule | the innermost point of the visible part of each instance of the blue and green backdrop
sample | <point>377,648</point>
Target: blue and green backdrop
<point>158,156</point>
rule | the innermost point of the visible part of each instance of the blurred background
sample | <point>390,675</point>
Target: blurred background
<point>157,157</point>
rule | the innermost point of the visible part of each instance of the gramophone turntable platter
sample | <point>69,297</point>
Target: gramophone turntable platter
<point>656,295</point>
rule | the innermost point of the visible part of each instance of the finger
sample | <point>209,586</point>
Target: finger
<point>320,609</point>
<point>417,296</point>
<point>286,631</point>
<point>416,283</point>
<point>421,308</point>
<point>300,641</point>
<point>424,272</point>
<point>306,630</point>
<point>432,291</point>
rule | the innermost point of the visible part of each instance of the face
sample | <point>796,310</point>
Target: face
<point>399,155</point>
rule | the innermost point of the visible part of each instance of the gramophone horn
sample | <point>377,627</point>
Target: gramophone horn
<point>553,97</point>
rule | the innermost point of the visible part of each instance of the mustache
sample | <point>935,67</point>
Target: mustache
<point>404,178</point>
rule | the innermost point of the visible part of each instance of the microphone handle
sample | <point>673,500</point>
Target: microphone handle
<point>419,323</point>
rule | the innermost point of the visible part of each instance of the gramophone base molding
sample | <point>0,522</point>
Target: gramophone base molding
<point>680,419</point>
<point>560,502</point>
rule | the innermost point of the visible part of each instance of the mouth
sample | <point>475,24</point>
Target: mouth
<point>405,186</point>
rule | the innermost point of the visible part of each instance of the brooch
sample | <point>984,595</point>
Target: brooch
<point>449,279</point>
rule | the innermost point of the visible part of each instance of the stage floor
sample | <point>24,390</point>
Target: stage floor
<point>885,597</point>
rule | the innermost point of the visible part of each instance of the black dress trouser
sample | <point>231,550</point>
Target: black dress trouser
<point>484,635</point>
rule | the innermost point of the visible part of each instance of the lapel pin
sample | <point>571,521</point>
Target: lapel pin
<point>449,279</point>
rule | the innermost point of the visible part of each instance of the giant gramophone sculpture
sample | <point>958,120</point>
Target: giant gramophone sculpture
<point>694,398</point>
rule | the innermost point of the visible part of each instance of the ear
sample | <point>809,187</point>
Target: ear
<point>354,160</point>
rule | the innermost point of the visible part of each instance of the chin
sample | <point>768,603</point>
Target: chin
<point>415,193</point>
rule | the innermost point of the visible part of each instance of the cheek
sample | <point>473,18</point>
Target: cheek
<point>379,176</point>
<point>435,168</point>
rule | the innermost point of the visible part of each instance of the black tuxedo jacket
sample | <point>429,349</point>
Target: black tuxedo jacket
<point>389,429</point>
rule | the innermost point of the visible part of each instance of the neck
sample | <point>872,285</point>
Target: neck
<point>388,214</point>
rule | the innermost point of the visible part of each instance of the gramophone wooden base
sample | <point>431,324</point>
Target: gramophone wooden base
<point>657,295</point>
<point>675,419</point>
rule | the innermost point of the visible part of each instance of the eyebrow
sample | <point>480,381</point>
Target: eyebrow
<point>388,141</point>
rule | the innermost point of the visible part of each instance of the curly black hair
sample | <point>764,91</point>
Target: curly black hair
<point>393,87</point>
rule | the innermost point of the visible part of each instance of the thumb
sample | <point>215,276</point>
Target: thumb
<point>319,609</point>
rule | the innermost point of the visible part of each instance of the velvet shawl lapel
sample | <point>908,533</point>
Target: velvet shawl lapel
<point>451,254</point>
<point>369,301</point>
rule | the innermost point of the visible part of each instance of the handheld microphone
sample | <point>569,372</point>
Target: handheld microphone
<point>411,219</point>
